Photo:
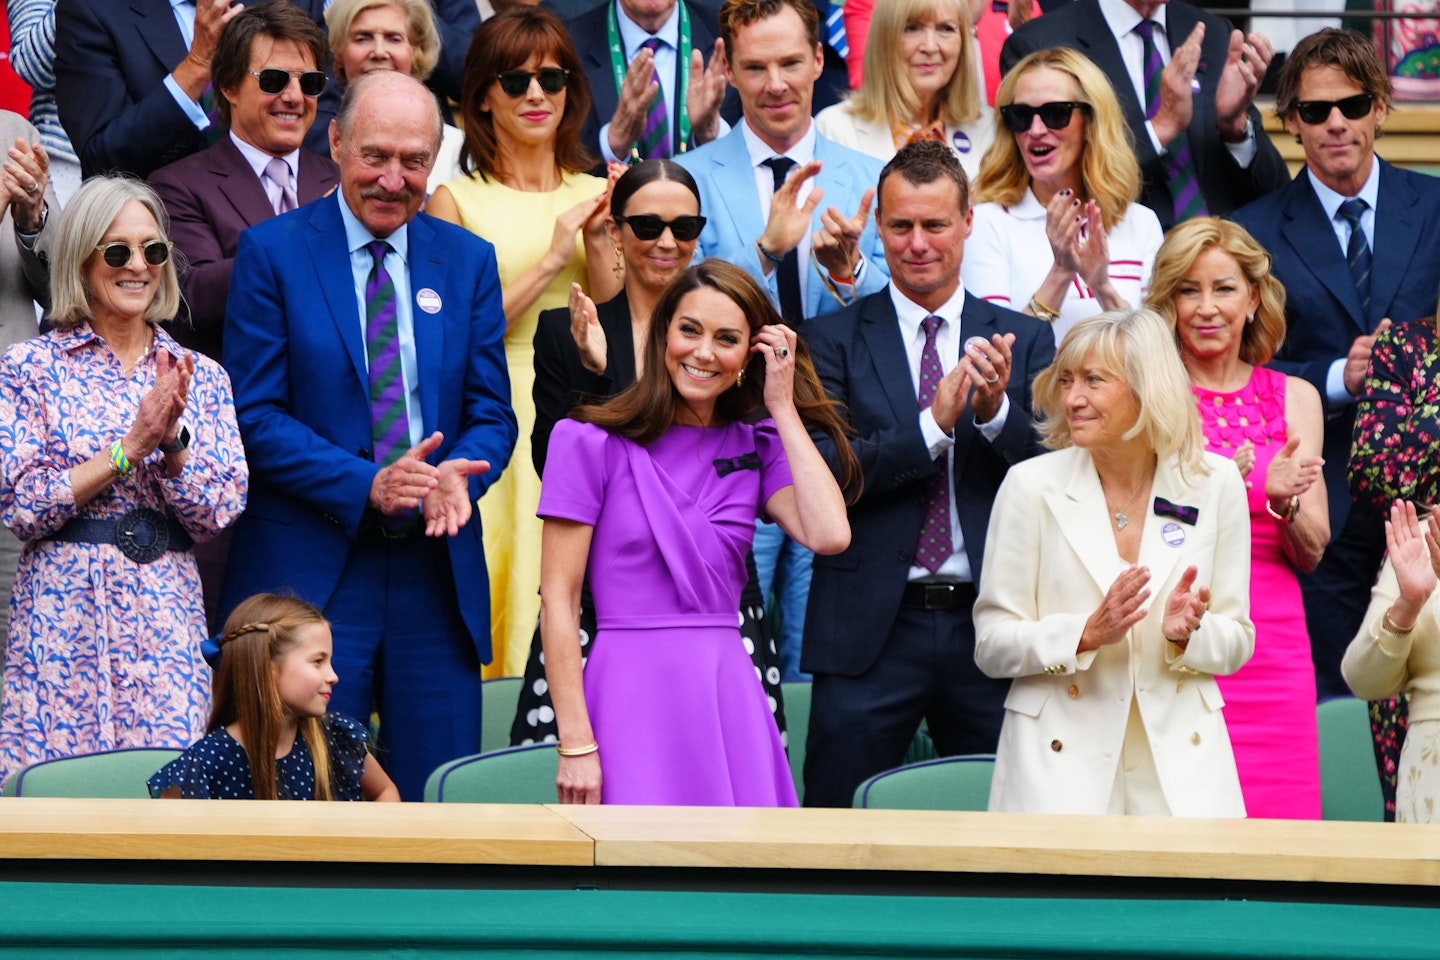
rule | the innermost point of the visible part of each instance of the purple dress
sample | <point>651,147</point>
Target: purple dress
<point>675,702</point>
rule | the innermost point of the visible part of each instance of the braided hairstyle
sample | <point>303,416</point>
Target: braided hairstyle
<point>262,629</point>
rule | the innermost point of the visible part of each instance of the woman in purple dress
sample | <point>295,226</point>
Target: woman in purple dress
<point>656,493</point>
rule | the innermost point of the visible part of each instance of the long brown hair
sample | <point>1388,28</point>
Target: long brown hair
<point>259,631</point>
<point>506,42</point>
<point>652,404</point>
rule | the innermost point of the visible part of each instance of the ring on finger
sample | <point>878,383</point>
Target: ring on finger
<point>783,352</point>
<point>994,379</point>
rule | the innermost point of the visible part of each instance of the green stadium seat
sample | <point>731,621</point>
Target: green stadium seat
<point>1349,782</point>
<point>113,774</point>
<point>948,783</point>
<point>513,775</point>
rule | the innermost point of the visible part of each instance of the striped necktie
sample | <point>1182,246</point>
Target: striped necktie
<point>833,16</point>
<point>937,539</point>
<point>389,420</point>
<point>1357,252</point>
<point>655,141</point>
<point>1179,164</point>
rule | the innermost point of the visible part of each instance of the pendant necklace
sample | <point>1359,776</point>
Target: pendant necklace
<point>1121,520</point>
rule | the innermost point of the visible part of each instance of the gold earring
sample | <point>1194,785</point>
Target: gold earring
<point>740,378</point>
<point>619,266</point>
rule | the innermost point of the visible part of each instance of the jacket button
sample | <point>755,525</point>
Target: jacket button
<point>904,555</point>
<point>363,453</point>
<point>1195,739</point>
<point>1074,691</point>
<point>1056,745</point>
<point>1179,684</point>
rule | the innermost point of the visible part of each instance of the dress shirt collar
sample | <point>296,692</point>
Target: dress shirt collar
<point>1123,18</point>
<point>356,236</point>
<point>259,159</point>
<point>802,153</point>
<point>910,314</point>
<point>1330,200</point>
<point>632,34</point>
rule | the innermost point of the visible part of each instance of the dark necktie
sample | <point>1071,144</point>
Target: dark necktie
<point>791,306</point>
<point>936,542</point>
<point>1179,164</point>
<point>1357,252</point>
<point>390,425</point>
<point>655,141</point>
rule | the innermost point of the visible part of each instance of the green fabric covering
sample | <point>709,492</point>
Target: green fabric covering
<point>41,921</point>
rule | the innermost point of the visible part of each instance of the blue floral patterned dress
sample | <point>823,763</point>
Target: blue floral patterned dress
<point>102,651</point>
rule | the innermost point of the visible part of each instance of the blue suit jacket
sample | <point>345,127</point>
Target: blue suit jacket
<point>1322,309</point>
<point>111,60</point>
<point>860,357</point>
<point>732,210</point>
<point>296,356</point>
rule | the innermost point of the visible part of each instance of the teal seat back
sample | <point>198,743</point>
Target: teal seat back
<point>514,775</point>
<point>498,698</point>
<point>1349,781</point>
<point>797,729</point>
<point>949,783</point>
<point>114,774</point>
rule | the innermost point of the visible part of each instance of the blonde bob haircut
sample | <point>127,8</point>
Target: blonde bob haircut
<point>83,225</point>
<point>424,37</point>
<point>1183,246</point>
<point>1137,347</point>
<point>887,93</point>
<point>1109,173</point>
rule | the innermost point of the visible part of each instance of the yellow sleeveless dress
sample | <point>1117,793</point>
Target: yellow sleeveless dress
<point>520,225</point>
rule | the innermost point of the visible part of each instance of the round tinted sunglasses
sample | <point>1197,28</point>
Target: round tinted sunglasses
<point>516,82</point>
<point>649,227</point>
<point>1056,115</point>
<point>1351,108</point>
<point>273,80</point>
<point>117,254</point>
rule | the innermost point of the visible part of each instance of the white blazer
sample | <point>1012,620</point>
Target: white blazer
<point>969,140</point>
<point>1049,558</point>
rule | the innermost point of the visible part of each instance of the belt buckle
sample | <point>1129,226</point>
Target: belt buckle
<point>939,596</point>
<point>142,534</point>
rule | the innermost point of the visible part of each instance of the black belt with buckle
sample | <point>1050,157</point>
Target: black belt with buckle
<point>939,596</point>
<point>142,534</point>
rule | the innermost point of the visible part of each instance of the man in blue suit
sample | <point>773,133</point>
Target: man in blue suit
<point>1333,96</point>
<point>132,80</point>
<point>936,384</point>
<point>357,328</point>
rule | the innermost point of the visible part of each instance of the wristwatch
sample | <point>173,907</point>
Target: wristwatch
<point>182,441</point>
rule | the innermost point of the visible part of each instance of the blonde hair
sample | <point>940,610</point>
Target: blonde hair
<point>262,629</point>
<point>887,93</point>
<point>419,20</point>
<point>1109,173</point>
<point>1134,346</point>
<point>1183,246</point>
<point>83,225</point>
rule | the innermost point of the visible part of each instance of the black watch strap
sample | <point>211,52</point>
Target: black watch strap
<point>182,441</point>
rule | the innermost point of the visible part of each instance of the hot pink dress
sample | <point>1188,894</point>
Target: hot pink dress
<point>1270,702</point>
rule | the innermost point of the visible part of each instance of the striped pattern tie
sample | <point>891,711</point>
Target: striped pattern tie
<point>389,422</point>
<point>1357,252</point>
<point>1179,164</point>
<point>834,27</point>
<point>216,130</point>
<point>655,142</point>
<point>937,541</point>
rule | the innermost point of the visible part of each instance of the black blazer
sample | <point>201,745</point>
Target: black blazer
<point>561,381</point>
<point>1225,185</point>
<point>860,357</point>
<point>590,36</point>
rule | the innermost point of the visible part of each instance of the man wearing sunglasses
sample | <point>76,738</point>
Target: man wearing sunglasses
<point>266,69</point>
<point>1186,84</point>
<point>132,80</point>
<point>1347,206</point>
<point>366,344</point>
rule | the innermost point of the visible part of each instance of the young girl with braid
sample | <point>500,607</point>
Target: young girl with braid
<point>270,737</point>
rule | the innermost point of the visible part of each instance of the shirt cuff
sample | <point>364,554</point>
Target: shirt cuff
<point>191,108</point>
<point>1154,138</point>
<point>992,429</point>
<point>1244,151</point>
<point>937,441</point>
<point>605,153</point>
<point>1335,390</point>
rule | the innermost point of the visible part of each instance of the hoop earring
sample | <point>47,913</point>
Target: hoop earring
<point>618,267</point>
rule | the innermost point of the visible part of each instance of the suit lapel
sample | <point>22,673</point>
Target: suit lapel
<point>315,178</point>
<point>597,62</point>
<point>155,23</point>
<point>1095,39</point>
<point>331,258</point>
<point>426,271</point>
<point>1155,552</point>
<point>1084,520</point>
<point>237,183</point>
<point>1397,237</point>
<point>1312,238</point>
<point>881,332</point>
<point>740,205</point>
<point>619,340</point>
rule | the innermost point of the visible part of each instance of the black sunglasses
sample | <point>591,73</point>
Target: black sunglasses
<point>117,254</point>
<point>1351,108</point>
<point>1056,115</point>
<point>516,82</point>
<point>273,80</point>
<point>649,227</point>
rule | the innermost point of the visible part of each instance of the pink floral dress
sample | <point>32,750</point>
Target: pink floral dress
<point>102,651</point>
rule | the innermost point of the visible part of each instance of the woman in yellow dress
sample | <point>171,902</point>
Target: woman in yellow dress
<point>525,98</point>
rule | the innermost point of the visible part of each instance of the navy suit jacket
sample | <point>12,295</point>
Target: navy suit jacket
<point>860,357</point>
<point>1322,309</point>
<point>457,21</point>
<point>296,356</point>
<point>731,206</point>
<point>211,197</point>
<point>111,60</point>
<point>1225,184</point>
<point>591,38</point>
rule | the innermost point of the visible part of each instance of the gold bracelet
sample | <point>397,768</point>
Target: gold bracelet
<point>1040,312</point>
<point>1388,624</point>
<point>589,748</point>
<point>1289,515</point>
<point>1051,311</point>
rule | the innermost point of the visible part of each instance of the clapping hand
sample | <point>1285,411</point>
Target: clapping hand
<point>837,244</point>
<point>586,330</point>
<point>789,219</point>
<point>1184,609</point>
<point>1414,556</point>
<point>1177,104</point>
<point>158,418</point>
<point>1122,608</point>
<point>1289,475</point>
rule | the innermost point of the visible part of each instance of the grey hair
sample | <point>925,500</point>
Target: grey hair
<point>357,87</point>
<point>419,20</point>
<point>86,219</point>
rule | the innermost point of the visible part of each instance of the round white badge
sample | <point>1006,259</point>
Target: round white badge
<point>428,300</point>
<point>1173,534</point>
<point>961,141</point>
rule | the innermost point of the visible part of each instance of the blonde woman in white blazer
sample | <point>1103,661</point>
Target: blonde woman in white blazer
<point>1115,587</point>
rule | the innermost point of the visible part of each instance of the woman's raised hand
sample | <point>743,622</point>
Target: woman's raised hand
<point>585,328</point>
<point>1122,608</point>
<point>1062,228</point>
<point>1092,249</point>
<point>585,215</point>
<point>1245,458</point>
<point>776,343</point>
<point>1289,475</point>
<point>1184,608</point>
<point>1414,556</point>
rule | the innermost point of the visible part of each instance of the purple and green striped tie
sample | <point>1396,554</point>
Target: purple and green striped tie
<point>655,142</point>
<point>1179,164</point>
<point>390,424</point>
